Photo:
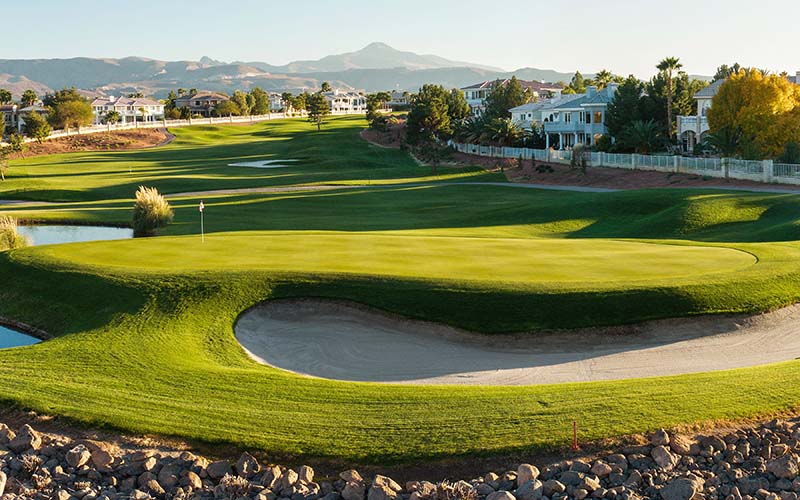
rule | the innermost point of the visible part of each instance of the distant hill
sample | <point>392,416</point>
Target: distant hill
<point>375,67</point>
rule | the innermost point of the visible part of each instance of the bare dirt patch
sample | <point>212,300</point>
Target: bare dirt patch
<point>392,138</point>
<point>113,141</point>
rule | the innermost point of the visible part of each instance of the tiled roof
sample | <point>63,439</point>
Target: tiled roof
<point>709,91</point>
<point>532,84</point>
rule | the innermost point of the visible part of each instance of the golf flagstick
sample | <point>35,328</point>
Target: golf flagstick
<point>202,229</point>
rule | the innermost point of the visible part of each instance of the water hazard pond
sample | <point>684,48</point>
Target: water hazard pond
<point>53,235</point>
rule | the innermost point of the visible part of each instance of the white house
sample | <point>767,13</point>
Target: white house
<point>476,94</point>
<point>10,120</point>
<point>534,113</point>
<point>341,101</point>
<point>130,109</point>
<point>399,99</point>
<point>275,102</point>
<point>579,120</point>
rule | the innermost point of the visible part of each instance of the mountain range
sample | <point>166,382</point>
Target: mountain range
<point>375,67</point>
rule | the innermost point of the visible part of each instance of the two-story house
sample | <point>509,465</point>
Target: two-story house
<point>130,110</point>
<point>9,119</point>
<point>201,103</point>
<point>342,101</point>
<point>476,94</point>
<point>534,113</point>
<point>580,120</point>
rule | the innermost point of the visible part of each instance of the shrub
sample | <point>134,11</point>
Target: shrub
<point>151,212</point>
<point>9,237</point>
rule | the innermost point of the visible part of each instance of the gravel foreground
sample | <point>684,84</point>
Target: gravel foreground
<point>759,462</point>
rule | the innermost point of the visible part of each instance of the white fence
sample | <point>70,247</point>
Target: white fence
<point>96,129</point>
<point>727,168</point>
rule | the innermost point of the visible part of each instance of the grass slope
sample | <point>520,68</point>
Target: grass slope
<point>145,326</point>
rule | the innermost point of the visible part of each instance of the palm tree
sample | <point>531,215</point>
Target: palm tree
<point>643,136</point>
<point>669,66</point>
<point>502,131</point>
<point>144,113</point>
<point>603,78</point>
<point>725,141</point>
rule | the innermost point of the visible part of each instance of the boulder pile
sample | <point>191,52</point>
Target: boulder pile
<point>759,463</point>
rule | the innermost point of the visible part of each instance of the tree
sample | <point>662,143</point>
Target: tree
<point>504,96</point>
<point>763,110</point>
<point>287,99</point>
<point>428,119</point>
<point>299,102</point>
<point>791,153</point>
<point>150,212</point>
<point>227,108</point>
<point>318,108</point>
<point>16,144</point>
<point>135,95</point>
<point>626,107</point>
<point>68,109</point>
<point>3,163</point>
<point>578,84</point>
<point>144,114</point>
<point>239,98</point>
<point>502,132</point>
<point>169,102</point>
<point>668,66</point>
<point>724,71</point>
<point>5,96</point>
<point>376,102</point>
<point>603,78</point>
<point>325,87</point>
<point>36,127</point>
<point>260,102</point>
<point>643,137</point>
<point>724,141</point>
<point>457,106</point>
<point>29,98</point>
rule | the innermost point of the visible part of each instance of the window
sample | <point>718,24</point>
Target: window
<point>567,117</point>
<point>598,117</point>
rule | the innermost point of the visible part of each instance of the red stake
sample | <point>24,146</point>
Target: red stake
<point>575,435</point>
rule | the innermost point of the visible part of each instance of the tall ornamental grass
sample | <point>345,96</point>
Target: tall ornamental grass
<point>151,212</point>
<point>9,236</point>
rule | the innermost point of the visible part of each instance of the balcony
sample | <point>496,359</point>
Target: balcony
<point>696,124</point>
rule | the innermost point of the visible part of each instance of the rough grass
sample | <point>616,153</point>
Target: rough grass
<point>9,237</point>
<point>145,327</point>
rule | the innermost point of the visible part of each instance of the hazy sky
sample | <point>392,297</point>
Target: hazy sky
<point>625,36</point>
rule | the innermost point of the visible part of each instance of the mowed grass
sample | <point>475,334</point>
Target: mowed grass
<point>199,157</point>
<point>145,327</point>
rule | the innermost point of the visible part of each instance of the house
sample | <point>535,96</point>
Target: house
<point>10,118</point>
<point>201,103</point>
<point>580,120</point>
<point>275,102</point>
<point>130,109</point>
<point>534,113</point>
<point>476,94</point>
<point>399,99</point>
<point>346,101</point>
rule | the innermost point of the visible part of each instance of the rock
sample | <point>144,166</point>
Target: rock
<point>154,488</point>
<point>247,466</point>
<point>500,495</point>
<point>192,480</point>
<point>680,445</point>
<point>552,486</point>
<point>571,478</point>
<point>3,480</point>
<point>62,495</point>
<point>26,439</point>
<point>659,438</point>
<point>168,476</point>
<point>589,483</point>
<point>271,477</point>
<point>149,464</point>
<point>785,467</point>
<point>386,481</point>
<point>351,476</point>
<point>218,469</point>
<point>140,495</point>
<point>484,489</point>
<point>78,456</point>
<point>525,473</point>
<point>682,488</point>
<point>6,435</point>
<point>531,490</point>
<point>664,458</point>
<point>381,492</point>
<point>354,491</point>
<point>288,479</point>
<point>580,494</point>
<point>306,474</point>
<point>601,469</point>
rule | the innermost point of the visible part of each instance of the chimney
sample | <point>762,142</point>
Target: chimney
<point>611,89</point>
<point>591,91</point>
<point>797,78</point>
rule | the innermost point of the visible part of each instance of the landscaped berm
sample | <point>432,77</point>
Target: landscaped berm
<point>145,330</point>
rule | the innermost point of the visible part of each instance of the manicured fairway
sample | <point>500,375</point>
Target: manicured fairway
<point>145,326</point>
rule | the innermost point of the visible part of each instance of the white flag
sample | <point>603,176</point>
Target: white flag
<point>202,206</point>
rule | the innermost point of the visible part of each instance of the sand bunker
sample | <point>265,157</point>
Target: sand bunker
<point>263,164</point>
<point>346,341</point>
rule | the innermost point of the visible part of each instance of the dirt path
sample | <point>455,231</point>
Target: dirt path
<point>347,341</point>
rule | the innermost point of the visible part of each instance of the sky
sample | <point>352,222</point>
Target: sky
<point>624,36</point>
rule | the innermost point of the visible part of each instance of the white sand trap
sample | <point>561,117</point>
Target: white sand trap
<point>346,341</point>
<point>263,164</point>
